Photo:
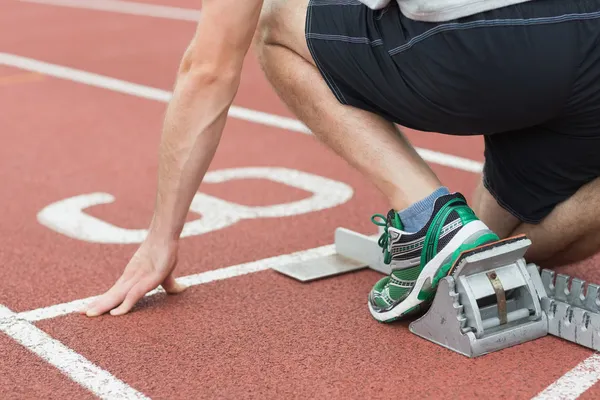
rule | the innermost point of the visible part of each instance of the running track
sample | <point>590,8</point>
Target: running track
<point>83,91</point>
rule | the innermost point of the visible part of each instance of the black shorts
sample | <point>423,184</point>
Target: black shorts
<point>527,77</point>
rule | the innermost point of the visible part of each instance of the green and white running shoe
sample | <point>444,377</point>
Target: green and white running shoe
<point>419,260</point>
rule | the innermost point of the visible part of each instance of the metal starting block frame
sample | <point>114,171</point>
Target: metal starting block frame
<point>492,300</point>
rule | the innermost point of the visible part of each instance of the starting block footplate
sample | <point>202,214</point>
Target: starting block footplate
<point>353,251</point>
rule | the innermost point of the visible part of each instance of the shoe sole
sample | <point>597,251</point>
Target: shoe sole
<point>483,247</point>
<point>412,303</point>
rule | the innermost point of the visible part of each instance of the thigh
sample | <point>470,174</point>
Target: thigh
<point>346,46</point>
<point>531,171</point>
<point>492,72</point>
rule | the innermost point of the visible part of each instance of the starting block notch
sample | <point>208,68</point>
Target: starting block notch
<point>492,299</point>
<point>573,314</point>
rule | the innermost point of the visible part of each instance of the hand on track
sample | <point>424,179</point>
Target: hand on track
<point>150,266</point>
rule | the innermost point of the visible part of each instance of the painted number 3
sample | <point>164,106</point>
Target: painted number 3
<point>69,218</point>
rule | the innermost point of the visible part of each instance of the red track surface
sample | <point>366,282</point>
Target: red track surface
<point>254,336</point>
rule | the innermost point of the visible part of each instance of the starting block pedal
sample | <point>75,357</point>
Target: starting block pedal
<point>353,251</point>
<point>488,302</point>
<point>491,299</point>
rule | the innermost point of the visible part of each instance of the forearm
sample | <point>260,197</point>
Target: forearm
<point>192,130</point>
<point>206,84</point>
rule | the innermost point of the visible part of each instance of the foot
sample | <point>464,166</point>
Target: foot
<point>419,260</point>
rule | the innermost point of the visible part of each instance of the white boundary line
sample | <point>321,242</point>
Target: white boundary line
<point>575,382</point>
<point>19,326</point>
<point>164,96</point>
<point>69,362</point>
<point>150,10</point>
<point>570,386</point>
<point>59,310</point>
<point>127,7</point>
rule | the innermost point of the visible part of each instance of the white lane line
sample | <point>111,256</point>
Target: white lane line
<point>150,93</point>
<point>575,382</point>
<point>145,92</point>
<point>72,364</point>
<point>236,112</point>
<point>127,7</point>
<point>449,160</point>
<point>190,280</point>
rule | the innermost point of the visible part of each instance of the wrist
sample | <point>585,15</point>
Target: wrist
<point>162,238</point>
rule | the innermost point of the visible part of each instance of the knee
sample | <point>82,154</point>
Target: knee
<point>269,25</point>
<point>281,24</point>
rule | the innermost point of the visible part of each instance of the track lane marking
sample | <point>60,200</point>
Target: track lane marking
<point>126,7</point>
<point>575,382</point>
<point>570,386</point>
<point>72,364</point>
<point>71,307</point>
<point>19,326</point>
<point>69,217</point>
<point>150,93</point>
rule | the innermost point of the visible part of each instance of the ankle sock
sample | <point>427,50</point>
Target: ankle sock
<point>416,215</point>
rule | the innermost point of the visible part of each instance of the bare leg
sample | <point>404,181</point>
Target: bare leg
<point>568,235</point>
<point>367,142</point>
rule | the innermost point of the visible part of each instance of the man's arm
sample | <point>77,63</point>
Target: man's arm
<point>207,81</point>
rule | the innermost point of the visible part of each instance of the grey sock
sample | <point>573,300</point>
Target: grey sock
<point>416,215</point>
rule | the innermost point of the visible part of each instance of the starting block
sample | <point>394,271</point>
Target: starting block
<point>491,299</point>
<point>353,251</point>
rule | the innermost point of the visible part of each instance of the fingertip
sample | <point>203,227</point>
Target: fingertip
<point>88,308</point>
<point>121,310</point>
<point>92,313</point>
<point>171,286</point>
<point>179,288</point>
